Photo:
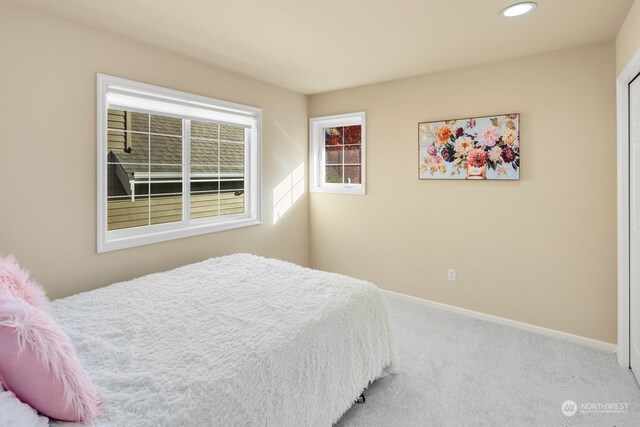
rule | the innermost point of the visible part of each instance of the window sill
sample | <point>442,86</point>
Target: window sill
<point>353,189</point>
<point>107,244</point>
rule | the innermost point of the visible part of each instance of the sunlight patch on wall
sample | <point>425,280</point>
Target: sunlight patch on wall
<point>290,189</point>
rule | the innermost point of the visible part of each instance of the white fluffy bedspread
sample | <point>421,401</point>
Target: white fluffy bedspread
<point>14,413</point>
<point>238,340</point>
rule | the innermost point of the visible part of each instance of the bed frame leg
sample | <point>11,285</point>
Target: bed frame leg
<point>360,398</point>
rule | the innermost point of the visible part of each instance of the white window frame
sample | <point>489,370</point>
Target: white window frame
<point>317,153</point>
<point>121,93</point>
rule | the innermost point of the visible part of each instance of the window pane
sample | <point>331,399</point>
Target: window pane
<point>333,154</point>
<point>213,204</point>
<point>204,182</point>
<point>204,172</point>
<point>352,154</point>
<point>165,179</point>
<point>333,174</point>
<point>166,150</point>
<point>166,125</point>
<point>132,172</point>
<point>204,205</point>
<point>235,172</point>
<point>204,130</point>
<point>115,119</point>
<point>204,151</point>
<point>352,174</point>
<point>114,186</point>
<point>165,209</point>
<point>127,120</point>
<point>231,133</point>
<point>232,154</point>
<point>116,140</point>
<point>231,187</point>
<point>231,202</point>
<point>352,134</point>
<point>204,167</point>
<point>145,169</point>
<point>138,122</point>
<point>119,177</point>
<point>122,212</point>
<point>333,136</point>
<point>231,182</point>
<point>133,148</point>
<point>217,169</point>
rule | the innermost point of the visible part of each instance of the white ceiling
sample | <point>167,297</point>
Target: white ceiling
<point>318,46</point>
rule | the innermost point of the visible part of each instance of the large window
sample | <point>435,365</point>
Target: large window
<point>337,153</point>
<point>172,164</point>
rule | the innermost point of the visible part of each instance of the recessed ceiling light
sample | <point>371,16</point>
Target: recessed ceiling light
<point>518,9</point>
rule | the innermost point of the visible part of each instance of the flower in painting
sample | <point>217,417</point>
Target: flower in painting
<point>508,155</point>
<point>488,137</point>
<point>438,167</point>
<point>448,153</point>
<point>477,158</point>
<point>443,134</point>
<point>509,136</point>
<point>494,154</point>
<point>463,145</point>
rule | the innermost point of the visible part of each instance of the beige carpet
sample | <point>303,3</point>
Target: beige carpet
<point>460,371</point>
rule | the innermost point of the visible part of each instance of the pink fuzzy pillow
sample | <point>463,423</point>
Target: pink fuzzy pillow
<point>39,365</point>
<point>16,280</point>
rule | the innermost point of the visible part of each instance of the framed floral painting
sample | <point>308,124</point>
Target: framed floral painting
<point>474,148</point>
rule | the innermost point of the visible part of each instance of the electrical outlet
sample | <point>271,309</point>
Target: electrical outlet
<point>451,275</point>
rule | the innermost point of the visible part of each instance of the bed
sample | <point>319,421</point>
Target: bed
<point>238,340</point>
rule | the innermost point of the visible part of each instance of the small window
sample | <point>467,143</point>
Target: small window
<point>172,164</point>
<point>337,153</point>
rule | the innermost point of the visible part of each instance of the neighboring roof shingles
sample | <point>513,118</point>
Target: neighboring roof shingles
<point>166,149</point>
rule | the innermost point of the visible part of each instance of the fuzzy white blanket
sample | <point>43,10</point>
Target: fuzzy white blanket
<point>14,413</point>
<point>238,340</point>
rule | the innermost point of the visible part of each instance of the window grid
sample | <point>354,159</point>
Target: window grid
<point>343,160</point>
<point>226,184</point>
<point>187,177</point>
<point>337,153</point>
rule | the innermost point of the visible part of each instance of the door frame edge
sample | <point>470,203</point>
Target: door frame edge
<point>622,99</point>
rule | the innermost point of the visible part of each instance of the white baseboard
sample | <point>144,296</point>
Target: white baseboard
<point>589,342</point>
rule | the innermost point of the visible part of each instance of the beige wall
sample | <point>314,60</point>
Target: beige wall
<point>48,72</point>
<point>540,250</point>
<point>628,40</point>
